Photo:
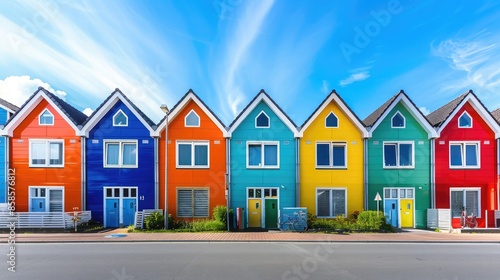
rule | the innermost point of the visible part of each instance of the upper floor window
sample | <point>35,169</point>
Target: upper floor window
<point>120,119</point>
<point>331,155</point>
<point>46,118</point>
<point>192,154</point>
<point>46,153</point>
<point>262,120</point>
<point>465,121</point>
<point>331,120</point>
<point>464,155</point>
<point>398,155</point>
<point>120,153</point>
<point>398,120</point>
<point>192,119</point>
<point>263,154</point>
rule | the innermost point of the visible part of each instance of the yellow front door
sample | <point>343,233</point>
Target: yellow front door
<point>406,213</point>
<point>254,212</point>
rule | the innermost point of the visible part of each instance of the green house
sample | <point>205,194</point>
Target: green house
<point>399,162</point>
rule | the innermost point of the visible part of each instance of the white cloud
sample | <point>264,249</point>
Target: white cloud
<point>325,87</point>
<point>424,110</point>
<point>17,89</point>
<point>355,77</point>
<point>88,111</point>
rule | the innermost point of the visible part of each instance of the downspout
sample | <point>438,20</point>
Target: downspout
<point>498,175</point>
<point>84,173</point>
<point>297,172</point>
<point>157,176</point>
<point>228,181</point>
<point>433,173</point>
<point>365,174</point>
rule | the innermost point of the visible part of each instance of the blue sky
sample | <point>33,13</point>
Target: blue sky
<point>227,50</point>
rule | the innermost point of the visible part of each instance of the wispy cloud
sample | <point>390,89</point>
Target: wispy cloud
<point>424,110</point>
<point>355,77</point>
<point>325,87</point>
<point>17,89</point>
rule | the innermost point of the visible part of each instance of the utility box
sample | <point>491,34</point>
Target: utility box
<point>240,218</point>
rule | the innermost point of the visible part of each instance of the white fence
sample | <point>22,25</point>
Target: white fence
<point>140,216</point>
<point>439,218</point>
<point>43,219</point>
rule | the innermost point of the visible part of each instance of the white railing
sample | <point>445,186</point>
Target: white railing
<point>439,218</point>
<point>43,219</point>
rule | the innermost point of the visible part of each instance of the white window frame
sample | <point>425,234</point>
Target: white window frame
<point>268,120</point>
<point>47,143</point>
<point>338,121</point>
<point>193,145</point>
<point>474,189</point>
<point>185,119</point>
<point>120,153</point>
<point>40,118</point>
<point>331,144</point>
<point>404,120</point>
<point>47,196</point>
<point>463,144</point>
<point>262,144</point>
<point>116,114</point>
<point>397,143</point>
<point>193,201</point>
<point>329,189</point>
<point>471,121</point>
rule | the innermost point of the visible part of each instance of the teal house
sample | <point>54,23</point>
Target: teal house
<point>6,111</point>
<point>263,163</point>
<point>399,162</point>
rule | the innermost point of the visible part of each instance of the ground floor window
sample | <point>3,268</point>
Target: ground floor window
<point>331,202</point>
<point>43,199</point>
<point>468,198</point>
<point>192,203</point>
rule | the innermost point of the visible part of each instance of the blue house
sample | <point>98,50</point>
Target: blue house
<point>6,111</point>
<point>120,155</point>
<point>263,162</point>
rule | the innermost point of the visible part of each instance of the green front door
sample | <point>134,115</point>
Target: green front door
<point>271,212</point>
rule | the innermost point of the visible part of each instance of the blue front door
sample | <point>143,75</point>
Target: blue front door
<point>38,205</point>
<point>128,211</point>
<point>391,210</point>
<point>112,213</point>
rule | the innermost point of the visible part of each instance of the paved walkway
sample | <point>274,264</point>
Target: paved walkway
<point>120,235</point>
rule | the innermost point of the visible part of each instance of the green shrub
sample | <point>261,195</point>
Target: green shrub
<point>323,224</point>
<point>154,221</point>
<point>371,221</point>
<point>220,214</point>
<point>311,219</point>
<point>208,225</point>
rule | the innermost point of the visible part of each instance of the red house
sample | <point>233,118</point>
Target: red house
<point>466,159</point>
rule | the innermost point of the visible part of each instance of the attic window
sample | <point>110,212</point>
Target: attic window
<point>46,118</point>
<point>398,121</point>
<point>465,121</point>
<point>262,120</point>
<point>192,119</point>
<point>120,119</point>
<point>331,120</point>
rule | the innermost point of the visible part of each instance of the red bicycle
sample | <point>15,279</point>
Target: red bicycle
<point>468,221</point>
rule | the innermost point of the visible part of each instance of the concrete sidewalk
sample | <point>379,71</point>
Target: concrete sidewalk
<point>120,235</point>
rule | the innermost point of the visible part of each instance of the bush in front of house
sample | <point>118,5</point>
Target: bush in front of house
<point>154,221</point>
<point>356,221</point>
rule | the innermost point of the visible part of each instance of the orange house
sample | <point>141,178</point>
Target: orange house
<point>196,160</point>
<point>46,153</point>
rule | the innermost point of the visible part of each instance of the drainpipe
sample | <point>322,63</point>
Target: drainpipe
<point>228,181</point>
<point>365,174</point>
<point>498,175</point>
<point>84,173</point>
<point>297,172</point>
<point>433,173</point>
<point>157,176</point>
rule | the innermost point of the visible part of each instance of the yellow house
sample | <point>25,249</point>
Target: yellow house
<point>332,160</point>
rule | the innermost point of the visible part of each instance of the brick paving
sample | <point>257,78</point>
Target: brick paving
<point>272,236</point>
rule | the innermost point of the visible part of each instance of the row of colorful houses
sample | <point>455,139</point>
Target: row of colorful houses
<point>117,161</point>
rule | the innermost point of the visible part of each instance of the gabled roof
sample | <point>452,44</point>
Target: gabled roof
<point>263,96</point>
<point>334,97</point>
<point>442,116</point>
<point>73,116</point>
<point>496,115</point>
<point>190,95</point>
<point>8,106</point>
<point>375,118</point>
<point>107,104</point>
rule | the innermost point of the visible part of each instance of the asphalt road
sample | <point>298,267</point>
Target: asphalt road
<point>127,261</point>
